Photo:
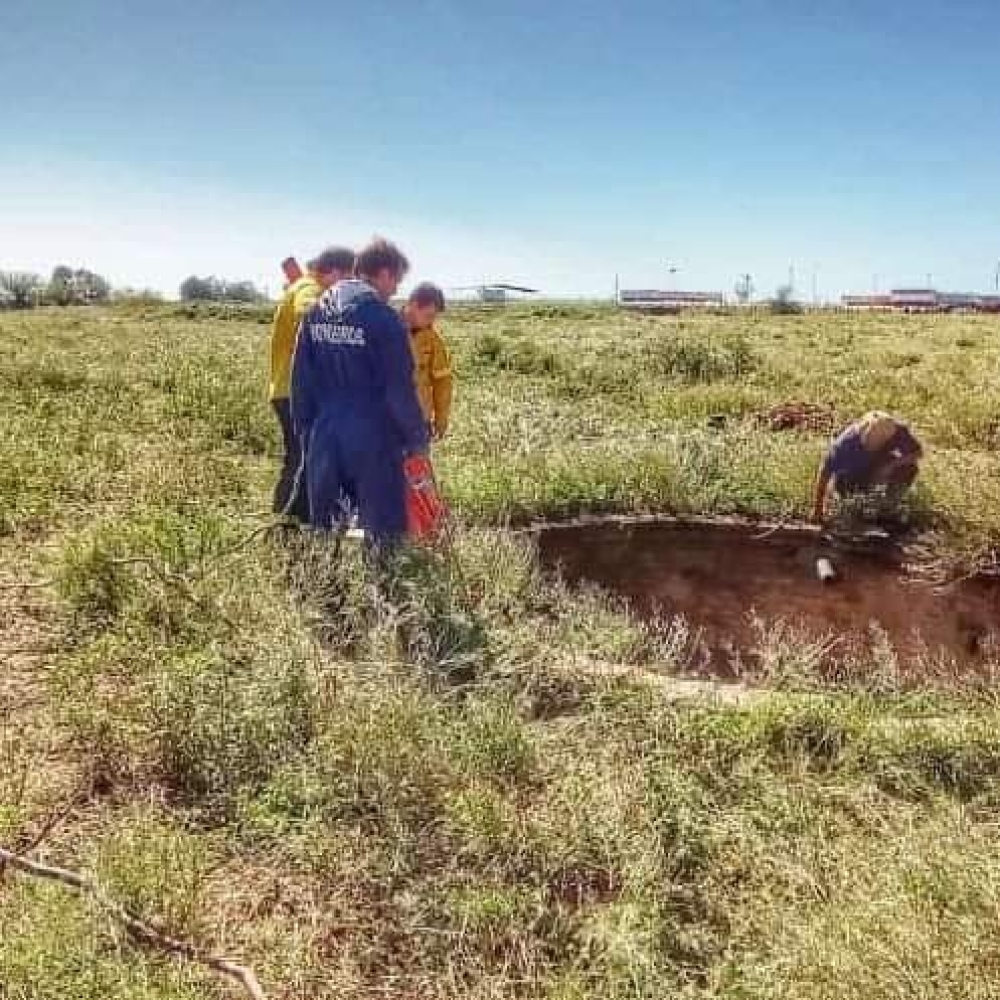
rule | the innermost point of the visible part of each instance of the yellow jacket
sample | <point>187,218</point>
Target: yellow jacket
<point>432,372</point>
<point>297,300</point>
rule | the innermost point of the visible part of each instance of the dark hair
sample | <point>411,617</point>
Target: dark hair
<point>333,259</point>
<point>381,255</point>
<point>427,294</point>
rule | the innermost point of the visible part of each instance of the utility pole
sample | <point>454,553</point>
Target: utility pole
<point>930,283</point>
<point>617,291</point>
<point>815,287</point>
<point>791,280</point>
<point>996,277</point>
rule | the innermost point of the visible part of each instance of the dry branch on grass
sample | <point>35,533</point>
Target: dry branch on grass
<point>142,931</point>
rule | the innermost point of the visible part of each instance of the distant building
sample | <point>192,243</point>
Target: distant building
<point>866,301</point>
<point>924,300</point>
<point>639,298</point>
<point>970,302</point>
<point>914,298</point>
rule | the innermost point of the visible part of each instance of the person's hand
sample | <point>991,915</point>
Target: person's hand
<point>818,514</point>
<point>438,431</point>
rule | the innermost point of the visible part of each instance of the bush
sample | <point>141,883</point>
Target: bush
<point>699,361</point>
<point>523,357</point>
<point>223,725</point>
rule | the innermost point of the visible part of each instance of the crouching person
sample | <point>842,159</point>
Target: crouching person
<point>870,465</point>
<point>354,402</point>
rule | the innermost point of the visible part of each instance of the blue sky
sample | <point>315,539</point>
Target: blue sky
<point>554,144</point>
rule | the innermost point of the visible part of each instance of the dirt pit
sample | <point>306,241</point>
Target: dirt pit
<point>733,583</point>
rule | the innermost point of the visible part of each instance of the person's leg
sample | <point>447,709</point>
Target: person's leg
<point>290,457</point>
<point>297,505</point>
<point>381,498</point>
<point>324,479</point>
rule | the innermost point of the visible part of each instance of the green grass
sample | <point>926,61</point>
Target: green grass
<point>477,782</point>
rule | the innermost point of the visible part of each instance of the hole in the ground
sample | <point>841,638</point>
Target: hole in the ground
<point>726,578</point>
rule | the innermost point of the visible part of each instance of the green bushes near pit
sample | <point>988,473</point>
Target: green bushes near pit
<point>149,568</point>
<point>577,370</point>
<point>740,471</point>
<point>523,357</point>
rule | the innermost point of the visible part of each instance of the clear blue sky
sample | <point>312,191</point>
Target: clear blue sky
<point>554,143</point>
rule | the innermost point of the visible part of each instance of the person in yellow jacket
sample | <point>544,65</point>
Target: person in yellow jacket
<point>331,266</point>
<point>431,360</point>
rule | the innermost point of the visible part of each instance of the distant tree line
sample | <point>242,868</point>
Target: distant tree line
<point>70,286</point>
<point>66,287</point>
<point>19,289</point>
<point>212,289</point>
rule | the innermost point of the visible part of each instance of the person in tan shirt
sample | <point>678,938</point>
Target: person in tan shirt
<point>432,362</point>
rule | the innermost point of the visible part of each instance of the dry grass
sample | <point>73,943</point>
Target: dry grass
<point>461,785</point>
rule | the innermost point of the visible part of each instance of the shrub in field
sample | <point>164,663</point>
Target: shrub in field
<point>439,624</point>
<point>391,754</point>
<point>523,357</point>
<point>698,361</point>
<point>213,689</point>
<point>56,946</point>
<point>224,724</point>
<point>784,304</point>
<point>144,567</point>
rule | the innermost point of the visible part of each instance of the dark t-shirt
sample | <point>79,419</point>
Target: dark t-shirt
<point>849,460</point>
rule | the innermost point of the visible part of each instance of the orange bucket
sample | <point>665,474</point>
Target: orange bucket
<point>425,510</point>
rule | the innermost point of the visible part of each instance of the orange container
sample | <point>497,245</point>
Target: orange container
<point>425,510</point>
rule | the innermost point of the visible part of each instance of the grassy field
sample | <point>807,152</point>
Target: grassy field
<point>478,784</point>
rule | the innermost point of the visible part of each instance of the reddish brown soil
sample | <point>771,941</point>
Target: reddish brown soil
<point>719,575</point>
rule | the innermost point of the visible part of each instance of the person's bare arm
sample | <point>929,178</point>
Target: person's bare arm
<point>823,481</point>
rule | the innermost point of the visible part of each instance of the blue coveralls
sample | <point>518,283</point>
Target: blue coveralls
<point>355,408</point>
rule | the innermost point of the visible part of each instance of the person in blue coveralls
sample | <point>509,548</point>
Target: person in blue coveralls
<point>354,402</point>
